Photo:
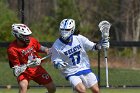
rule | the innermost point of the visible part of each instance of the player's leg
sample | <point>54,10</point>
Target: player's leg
<point>77,84</point>
<point>95,88</point>
<point>23,81</point>
<point>50,87</point>
<point>80,88</point>
<point>90,81</point>
<point>23,86</point>
<point>43,78</point>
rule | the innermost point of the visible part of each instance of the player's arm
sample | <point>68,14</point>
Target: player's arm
<point>14,62</point>
<point>40,48</point>
<point>89,45</point>
<point>45,49</point>
<point>57,60</point>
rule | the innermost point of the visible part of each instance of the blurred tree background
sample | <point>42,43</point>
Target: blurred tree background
<point>43,18</point>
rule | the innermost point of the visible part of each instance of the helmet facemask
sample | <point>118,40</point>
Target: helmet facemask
<point>67,27</point>
<point>24,38</point>
<point>66,34</point>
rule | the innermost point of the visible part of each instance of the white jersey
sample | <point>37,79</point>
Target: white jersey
<point>74,54</point>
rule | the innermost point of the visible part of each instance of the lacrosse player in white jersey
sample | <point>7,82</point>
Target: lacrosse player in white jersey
<point>70,57</point>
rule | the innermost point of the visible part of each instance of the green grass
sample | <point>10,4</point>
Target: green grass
<point>69,90</point>
<point>117,77</point>
<point>134,90</point>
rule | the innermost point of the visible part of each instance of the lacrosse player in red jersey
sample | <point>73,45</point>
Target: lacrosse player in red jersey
<point>24,51</point>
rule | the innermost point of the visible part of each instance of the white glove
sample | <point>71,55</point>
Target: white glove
<point>37,61</point>
<point>105,43</point>
<point>19,69</point>
<point>61,65</point>
<point>34,62</point>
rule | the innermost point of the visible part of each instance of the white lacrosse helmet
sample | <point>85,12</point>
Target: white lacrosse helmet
<point>67,28</point>
<point>21,31</point>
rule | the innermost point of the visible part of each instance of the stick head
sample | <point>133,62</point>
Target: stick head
<point>104,28</point>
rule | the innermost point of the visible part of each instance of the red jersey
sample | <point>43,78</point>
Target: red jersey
<point>20,55</point>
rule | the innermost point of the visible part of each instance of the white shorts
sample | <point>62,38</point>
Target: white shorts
<point>88,80</point>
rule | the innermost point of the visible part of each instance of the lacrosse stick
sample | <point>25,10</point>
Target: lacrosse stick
<point>104,28</point>
<point>20,69</point>
<point>31,63</point>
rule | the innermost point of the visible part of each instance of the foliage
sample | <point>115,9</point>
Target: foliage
<point>110,11</point>
<point>45,30</point>
<point>48,28</point>
<point>121,52</point>
<point>7,18</point>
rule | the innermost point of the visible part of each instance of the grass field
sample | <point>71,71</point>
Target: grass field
<point>117,77</point>
<point>69,90</point>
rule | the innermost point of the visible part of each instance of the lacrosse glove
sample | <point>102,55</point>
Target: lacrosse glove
<point>60,65</point>
<point>34,62</point>
<point>17,70</point>
<point>105,43</point>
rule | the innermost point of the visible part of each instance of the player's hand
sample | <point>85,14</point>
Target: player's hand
<point>48,51</point>
<point>61,65</point>
<point>105,43</point>
<point>34,62</point>
<point>19,69</point>
<point>37,61</point>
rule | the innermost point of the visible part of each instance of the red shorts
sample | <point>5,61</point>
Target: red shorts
<point>37,74</point>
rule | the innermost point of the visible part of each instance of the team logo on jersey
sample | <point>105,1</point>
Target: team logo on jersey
<point>73,50</point>
<point>46,76</point>
<point>29,50</point>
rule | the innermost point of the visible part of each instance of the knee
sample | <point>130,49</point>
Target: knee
<point>81,90</point>
<point>95,90</point>
<point>23,85</point>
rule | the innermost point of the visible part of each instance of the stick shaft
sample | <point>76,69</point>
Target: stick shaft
<point>45,57</point>
<point>41,60</point>
<point>106,64</point>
